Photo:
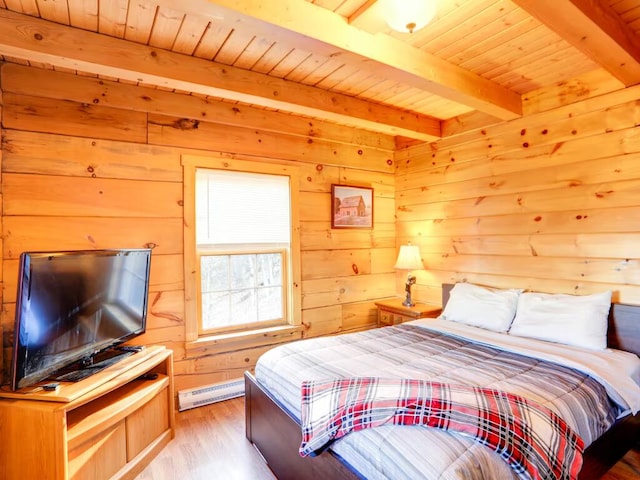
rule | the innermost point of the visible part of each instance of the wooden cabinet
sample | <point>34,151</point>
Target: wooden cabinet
<point>392,312</point>
<point>109,425</point>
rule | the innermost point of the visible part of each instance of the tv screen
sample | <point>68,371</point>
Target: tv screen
<point>73,305</point>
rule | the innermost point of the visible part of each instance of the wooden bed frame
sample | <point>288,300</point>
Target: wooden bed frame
<point>277,435</point>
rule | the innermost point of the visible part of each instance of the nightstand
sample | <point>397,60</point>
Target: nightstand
<point>392,312</point>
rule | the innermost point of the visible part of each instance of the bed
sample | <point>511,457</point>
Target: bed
<point>273,415</point>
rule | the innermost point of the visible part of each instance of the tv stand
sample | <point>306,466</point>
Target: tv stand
<point>109,425</point>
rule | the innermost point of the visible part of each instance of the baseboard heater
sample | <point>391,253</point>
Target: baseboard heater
<point>196,397</point>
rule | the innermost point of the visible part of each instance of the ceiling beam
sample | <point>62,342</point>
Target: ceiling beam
<point>368,18</point>
<point>30,38</point>
<point>595,29</point>
<point>39,82</point>
<point>321,31</point>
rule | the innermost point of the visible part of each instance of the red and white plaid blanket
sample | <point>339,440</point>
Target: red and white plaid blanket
<point>535,442</point>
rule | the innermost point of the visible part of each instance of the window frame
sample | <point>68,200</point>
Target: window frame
<point>191,257</point>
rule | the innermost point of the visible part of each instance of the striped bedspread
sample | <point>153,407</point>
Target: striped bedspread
<point>412,352</point>
<point>530,437</point>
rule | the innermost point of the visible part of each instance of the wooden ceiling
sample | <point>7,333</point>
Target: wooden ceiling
<point>334,60</point>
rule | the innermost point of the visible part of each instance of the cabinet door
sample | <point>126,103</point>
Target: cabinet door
<point>101,456</point>
<point>147,423</point>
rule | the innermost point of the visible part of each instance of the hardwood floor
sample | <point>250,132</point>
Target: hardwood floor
<point>210,444</point>
<point>628,468</point>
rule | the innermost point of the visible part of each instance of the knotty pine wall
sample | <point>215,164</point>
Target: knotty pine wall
<point>549,202</point>
<point>90,163</point>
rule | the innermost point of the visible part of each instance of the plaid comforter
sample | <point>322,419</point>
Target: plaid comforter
<point>397,452</point>
<point>529,436</point>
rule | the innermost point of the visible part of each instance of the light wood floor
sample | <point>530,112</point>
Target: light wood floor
<point>210,444</point>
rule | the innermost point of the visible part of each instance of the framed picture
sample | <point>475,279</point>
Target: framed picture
<point>351,207</point>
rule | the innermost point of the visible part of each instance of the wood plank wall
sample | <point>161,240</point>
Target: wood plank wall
<point>549,202</point>
<point>89,163</point>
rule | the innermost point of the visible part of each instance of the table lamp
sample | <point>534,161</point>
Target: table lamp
<point>409,259</point>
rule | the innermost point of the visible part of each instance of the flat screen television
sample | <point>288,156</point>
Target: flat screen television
<point>73,305</point>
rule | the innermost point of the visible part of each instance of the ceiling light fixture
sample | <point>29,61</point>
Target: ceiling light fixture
<point>407,16</point>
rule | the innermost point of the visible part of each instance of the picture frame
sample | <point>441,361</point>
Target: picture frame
<point>351,207</point>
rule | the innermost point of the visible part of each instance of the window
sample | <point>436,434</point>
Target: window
<point>238,289</point>
<point>242,254</point>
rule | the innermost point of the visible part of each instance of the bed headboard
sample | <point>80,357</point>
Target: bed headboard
<point>624,324</point>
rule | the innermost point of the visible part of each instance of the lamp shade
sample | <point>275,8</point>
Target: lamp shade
<point>409,258</point>
<point>407,15</point>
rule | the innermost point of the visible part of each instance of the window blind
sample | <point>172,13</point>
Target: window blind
<point>241,208</point>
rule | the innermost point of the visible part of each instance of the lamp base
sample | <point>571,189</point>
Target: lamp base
<point>407,288</point>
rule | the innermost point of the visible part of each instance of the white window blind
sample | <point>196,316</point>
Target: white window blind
<point>241,208</point>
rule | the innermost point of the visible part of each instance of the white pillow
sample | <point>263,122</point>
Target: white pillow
<point>578,320</point>
<point>482,307</point>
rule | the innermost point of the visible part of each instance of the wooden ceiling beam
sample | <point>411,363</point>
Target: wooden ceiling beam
<point>38,82</point>
<point>368,18</point>
<point>319,30</point>
<point>596,30</point>
<point>37,40</point>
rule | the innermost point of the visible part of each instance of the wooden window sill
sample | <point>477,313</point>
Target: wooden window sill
<point>229,342</point>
